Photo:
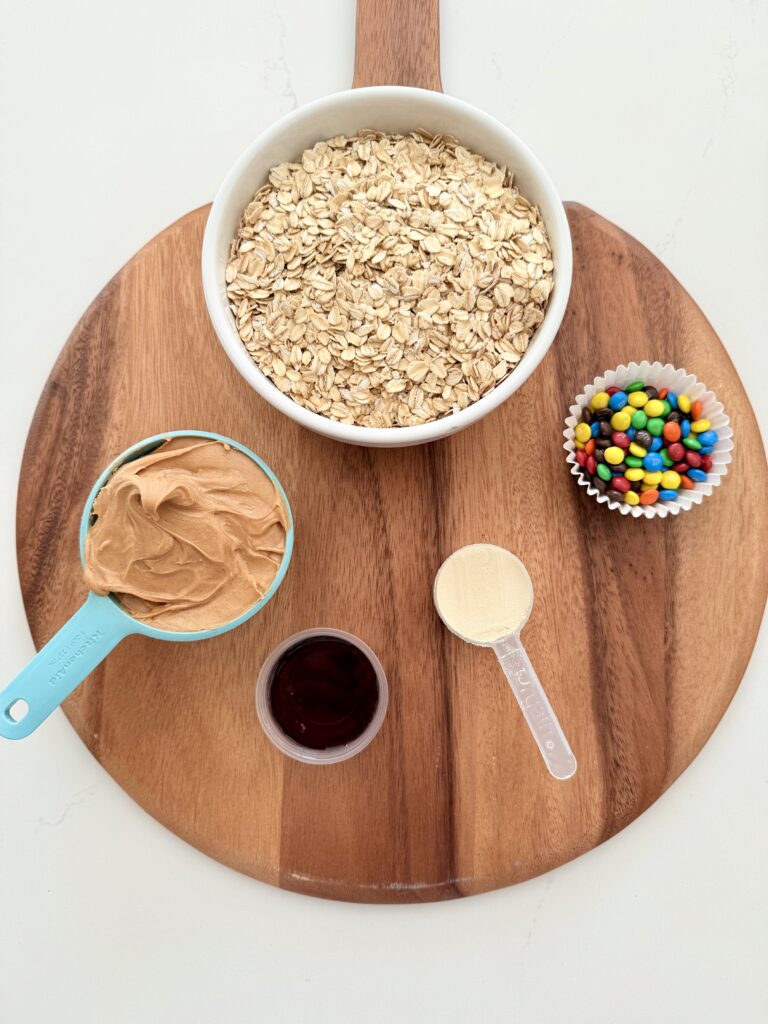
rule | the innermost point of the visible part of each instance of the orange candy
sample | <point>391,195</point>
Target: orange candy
<point>696,410</point>
<point>589,447</point>
<point>686,483</point>
<point>663,393</point>
<point>649,497</point>
<point>671,431</point>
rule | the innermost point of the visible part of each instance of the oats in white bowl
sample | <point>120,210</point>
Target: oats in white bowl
<point>388,280</point>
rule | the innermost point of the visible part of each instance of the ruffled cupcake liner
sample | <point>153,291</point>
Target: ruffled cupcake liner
<point>682,383</point>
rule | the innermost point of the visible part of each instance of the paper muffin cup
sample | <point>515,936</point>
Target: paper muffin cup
<point>682,383</point>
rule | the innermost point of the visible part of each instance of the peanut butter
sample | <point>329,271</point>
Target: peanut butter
<point>188,537</point>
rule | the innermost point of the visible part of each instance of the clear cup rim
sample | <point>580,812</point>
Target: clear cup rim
<point>288,746</point>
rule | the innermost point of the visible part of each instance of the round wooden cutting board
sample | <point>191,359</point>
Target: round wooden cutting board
<point>641,630</point>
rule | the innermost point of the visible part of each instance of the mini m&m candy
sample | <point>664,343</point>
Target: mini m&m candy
<point>642,445</point>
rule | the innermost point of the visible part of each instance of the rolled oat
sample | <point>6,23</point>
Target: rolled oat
<point>388,280</point>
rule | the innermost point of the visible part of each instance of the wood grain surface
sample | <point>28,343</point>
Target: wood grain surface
<point>640,632</point>
<point>397,42</point>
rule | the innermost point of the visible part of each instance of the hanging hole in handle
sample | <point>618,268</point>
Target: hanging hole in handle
<point>17,711</point>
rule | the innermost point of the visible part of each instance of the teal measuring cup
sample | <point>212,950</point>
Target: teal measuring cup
<point>101,623</point>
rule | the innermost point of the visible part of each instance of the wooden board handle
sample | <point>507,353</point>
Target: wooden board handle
<point>397,42</point>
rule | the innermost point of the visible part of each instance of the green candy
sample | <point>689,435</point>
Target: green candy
<point>634,462</point>
<point>603,472</point>
<point>667,408</point>
<point>639,420</point>
<point>636,385</point>
<point>666,459</point>
<point>655,426</point>
<point>692,443</point>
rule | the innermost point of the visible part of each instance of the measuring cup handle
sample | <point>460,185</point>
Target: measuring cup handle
<point>541,719</point>
<point>79,646</point>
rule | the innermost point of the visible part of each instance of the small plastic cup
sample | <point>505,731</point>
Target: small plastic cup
<point>283,742</point>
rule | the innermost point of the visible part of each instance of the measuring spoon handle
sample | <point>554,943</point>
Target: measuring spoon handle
<point>538,713</point>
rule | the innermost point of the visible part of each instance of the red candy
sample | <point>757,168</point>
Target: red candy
<point>581,458</point>
<point>676,452</point>
<point>589,447</point>
<point>706,463</point>
<point>613,391</point>
<point>671,431</point>
<point>620,483</point>
<point>591,465</point>
<point>620,439</point>
<point>687,483</point>
<point>693,459</point>
<point>681,467</point>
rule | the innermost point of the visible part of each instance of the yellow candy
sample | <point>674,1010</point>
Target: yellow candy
<point>601,400</point>
<point>684,404</point>
<point>621,420</point>
<point>699,426</point>
<point>670,480</point>
<point>637,449</point>
<point>635,474</point>
<point>652,479</point>
<point>579,445</point>
<point>654,408</point>
<point>647,487</point>
<point>583,433</point>
<point>632,498</point>
<point>637,399</point>
<point>614,455</point>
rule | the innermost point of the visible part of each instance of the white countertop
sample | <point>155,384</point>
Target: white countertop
<point>115,120</point>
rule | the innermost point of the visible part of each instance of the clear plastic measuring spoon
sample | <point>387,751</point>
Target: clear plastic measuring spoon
<point>484,595</point>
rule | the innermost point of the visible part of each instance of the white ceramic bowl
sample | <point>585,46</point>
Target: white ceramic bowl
<point>390,109</point>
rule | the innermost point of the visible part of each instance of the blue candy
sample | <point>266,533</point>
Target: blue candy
<point>618,400</point>
<point>706,449</point>
<point>595,427</point>
<point>630,432</point>
<point>708,437</point>
<point>685,428</point>
<point>672,399</point>
<point>656,444</point>
<point>652,462</point>
<point>668,495</point>
<point>698,475</point>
